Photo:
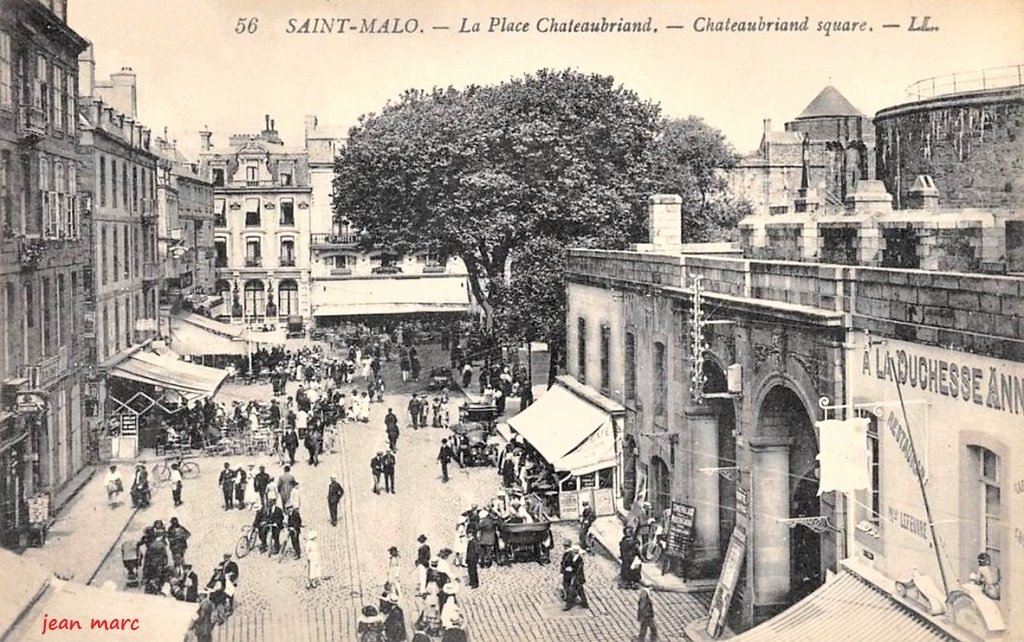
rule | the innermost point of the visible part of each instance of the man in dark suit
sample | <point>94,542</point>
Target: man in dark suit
<point>227,486</point>
<point>423,552</point>
<point>294,529</point>
<point>473,559</point>
<point>334,495</point>
<point>573,578</point>
<point>276,526</point>
<point>262,522</point>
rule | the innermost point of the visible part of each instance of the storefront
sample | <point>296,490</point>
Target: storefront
<point>946,450</point>
<point>581,452</point>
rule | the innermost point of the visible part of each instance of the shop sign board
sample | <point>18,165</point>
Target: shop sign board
<point>730,575</point>
<point>680,529</point>
<point>567,505</point>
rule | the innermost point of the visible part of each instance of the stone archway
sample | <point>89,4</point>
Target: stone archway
<point>785,485</point>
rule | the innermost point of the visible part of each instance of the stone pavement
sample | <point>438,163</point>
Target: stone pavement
<point>85,530</point>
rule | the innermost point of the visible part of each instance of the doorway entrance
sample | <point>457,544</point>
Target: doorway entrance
<point>661,486</point>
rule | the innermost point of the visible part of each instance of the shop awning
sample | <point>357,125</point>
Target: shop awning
<point>194,334</point>
<point>398,294</point>
<point>569,432</point>
<point>844,610</point>
<point>270,337</point>
<point>191,380</point>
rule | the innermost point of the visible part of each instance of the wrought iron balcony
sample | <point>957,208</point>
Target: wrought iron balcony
<point>253,261</point>
<point>31,125</point>
<point>287,261</point>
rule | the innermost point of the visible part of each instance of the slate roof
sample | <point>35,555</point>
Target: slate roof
<point>829,103</point>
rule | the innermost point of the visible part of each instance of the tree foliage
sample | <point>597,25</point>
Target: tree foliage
<point>508,176</point>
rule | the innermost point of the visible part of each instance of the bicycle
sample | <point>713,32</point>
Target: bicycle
<point>188,469</point>
<point>286,544</point>
<point>248,541</point>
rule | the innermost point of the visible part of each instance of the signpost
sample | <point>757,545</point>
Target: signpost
<point>731,567</point>
<point>680,529</point>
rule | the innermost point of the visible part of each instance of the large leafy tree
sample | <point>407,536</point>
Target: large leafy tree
<point>476,173</point>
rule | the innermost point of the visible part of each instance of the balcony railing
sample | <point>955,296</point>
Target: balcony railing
<point>965,81</point>
<point>341,271</point>
<point>253,261</point>
<point>329,240</point>
<point>47,371</point>
<point>287,261</point>
<point>433,269</point>
<point>31,124</point>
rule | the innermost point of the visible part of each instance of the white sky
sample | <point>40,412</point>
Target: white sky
<point>194,71</point>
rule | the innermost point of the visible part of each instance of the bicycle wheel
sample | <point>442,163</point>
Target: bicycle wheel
<point>189,470</point>
<point>242,548</point>
<point>161,472</point>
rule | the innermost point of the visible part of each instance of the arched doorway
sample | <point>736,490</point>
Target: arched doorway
<point>784,415</point>
<point>255,299</point>
<point>660,485</point>
<point>223,288</point>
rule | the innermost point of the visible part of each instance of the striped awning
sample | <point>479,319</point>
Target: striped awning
<point>847,609</point>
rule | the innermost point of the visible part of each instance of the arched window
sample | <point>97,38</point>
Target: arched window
<point>224,289</point>
<point>288,298</point>
<point>255,299</point>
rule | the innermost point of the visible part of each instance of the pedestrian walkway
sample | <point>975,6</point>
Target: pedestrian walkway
<point>608,532</point>
<point>84,531</point>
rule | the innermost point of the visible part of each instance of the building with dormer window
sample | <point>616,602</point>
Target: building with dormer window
<point>262,197</point>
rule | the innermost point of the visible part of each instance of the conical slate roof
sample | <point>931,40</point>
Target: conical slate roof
<point>829,103</point>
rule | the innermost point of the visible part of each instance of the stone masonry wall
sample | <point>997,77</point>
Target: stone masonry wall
<point>971,144</point>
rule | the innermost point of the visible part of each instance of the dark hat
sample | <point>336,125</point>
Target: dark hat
<point>369,610</point>
<point>393,550</point>
<point>422,538</point>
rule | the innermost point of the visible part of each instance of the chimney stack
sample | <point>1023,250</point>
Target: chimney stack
<point>205,138</point>
<point>665,223</point>
<point>923,195</point>
<point>767,126</point>
<point>86,72</point>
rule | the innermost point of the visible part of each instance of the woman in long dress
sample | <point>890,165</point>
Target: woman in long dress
<point>313,560</point>
<point>461,541</point>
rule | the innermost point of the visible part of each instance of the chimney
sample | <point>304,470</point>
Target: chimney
<point>665,223</point>
<point>124,92</point>
<point>86,72</point>
<point>923,195</point>
<point>266,122</point>
<point>767,126</point>
<point>205,137</point>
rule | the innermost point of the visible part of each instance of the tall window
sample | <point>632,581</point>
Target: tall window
<point>287,212</point>
<point>288,298</point>
<point>6,214</point>
<point>124,184</point>
<point>606,334</point>
<point>127,253</point>
<point>71,90</point>
<point>221,246</point>
<point>58,98</point>
<point>46,304</point>
<point>113,183</point>
<point>252,253</point>
<point>30,306</point>
<point>117,325</point>
<point>989,502</point>
<point>252,212</point>
<point>104,256</point>
<point>218,177</point>
<point>117,255</point>
<point>660,383</point>
<point>287,252</point>
<point>219,216</point>
<point>6,93</point>
<point>135,188</point>
<point>40,98</point>
<point>255,298</point>
<point>60,311</point>
<point>630,368</point>
<point>43,211</point>
<point>252,174</point>
<point>581,350</point>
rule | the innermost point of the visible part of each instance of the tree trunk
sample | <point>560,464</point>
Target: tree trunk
<point>555,352</point>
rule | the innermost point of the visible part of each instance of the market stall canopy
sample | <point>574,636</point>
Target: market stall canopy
<point>191,380</point>
<point>571,433</point>
<point>195,334</point>
<point>389,296</point>
<point>847,608</point>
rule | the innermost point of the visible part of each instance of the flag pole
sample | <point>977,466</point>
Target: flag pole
<point>917,473</point>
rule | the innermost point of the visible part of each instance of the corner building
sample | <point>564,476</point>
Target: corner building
<point>786,345</point>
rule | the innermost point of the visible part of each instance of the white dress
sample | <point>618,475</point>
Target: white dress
<point>313,559</point>
<point>460,541</point>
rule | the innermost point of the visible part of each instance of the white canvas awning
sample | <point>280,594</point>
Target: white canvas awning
<point>571,433</point>
<point>373,296</point>
<point>191,380</point>
<point>195,335</point>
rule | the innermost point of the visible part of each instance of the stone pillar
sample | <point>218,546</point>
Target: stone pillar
<point>768,556</point>
<point>665,223</point>
<point>702,422</point>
